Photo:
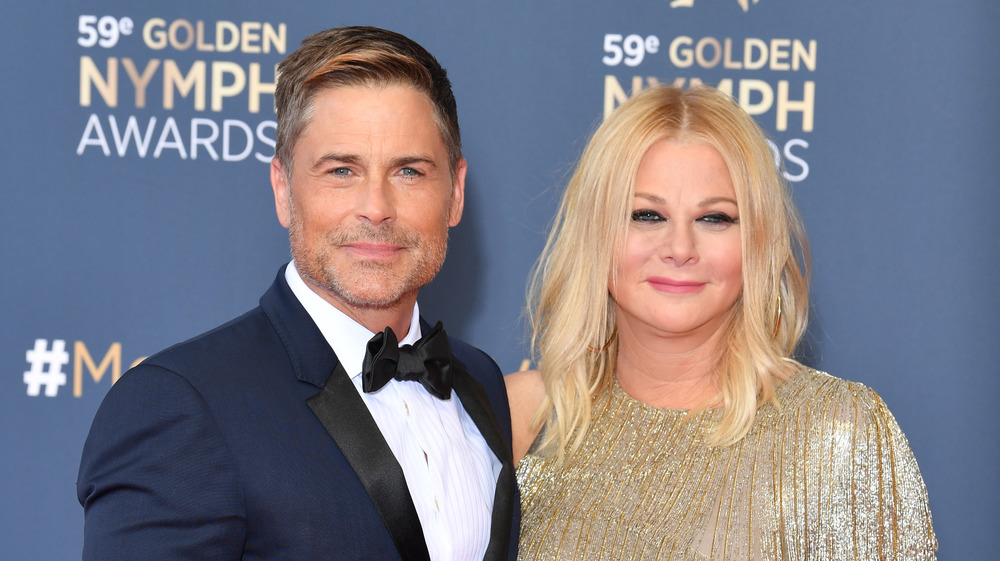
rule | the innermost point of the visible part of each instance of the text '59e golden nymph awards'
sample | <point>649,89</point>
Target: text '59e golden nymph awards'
<point>778,95</point>
<point>234,72</point>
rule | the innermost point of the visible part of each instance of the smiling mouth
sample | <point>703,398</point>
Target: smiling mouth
<point>673,286</point>
<point>373,250</point>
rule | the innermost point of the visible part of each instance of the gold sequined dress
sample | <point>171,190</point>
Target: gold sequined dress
<point>827,476</point>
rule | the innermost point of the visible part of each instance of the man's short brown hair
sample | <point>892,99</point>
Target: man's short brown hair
<point>359,56</point>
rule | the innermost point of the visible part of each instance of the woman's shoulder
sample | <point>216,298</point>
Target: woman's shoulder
<point>525,392</point>
<point>848,418</point>
<point>809,385</point>
<point>844,441</point>
<point>824,396</point>
<point>525,381</point>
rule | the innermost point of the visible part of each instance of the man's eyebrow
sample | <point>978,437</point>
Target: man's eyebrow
<point>415,159</point>
<point>354,159</point>
<point>327,159</point>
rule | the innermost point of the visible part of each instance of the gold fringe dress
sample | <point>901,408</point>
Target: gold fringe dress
<point>827,475</point>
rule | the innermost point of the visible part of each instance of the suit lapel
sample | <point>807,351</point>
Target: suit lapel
<point>345,416</point>
<point>477,405</point>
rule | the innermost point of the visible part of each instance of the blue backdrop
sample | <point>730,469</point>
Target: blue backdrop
<point>138,210</point>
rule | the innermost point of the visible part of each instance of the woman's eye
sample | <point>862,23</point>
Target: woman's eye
<point>718,218</point>
<point>646,216</point>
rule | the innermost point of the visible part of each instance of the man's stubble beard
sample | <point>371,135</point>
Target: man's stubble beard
<point>367,284</point>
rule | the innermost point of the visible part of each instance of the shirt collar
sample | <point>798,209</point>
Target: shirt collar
<point>346,337</point>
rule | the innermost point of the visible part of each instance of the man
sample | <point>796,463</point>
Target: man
<point>286,433</point>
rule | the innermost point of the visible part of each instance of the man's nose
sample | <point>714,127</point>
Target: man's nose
<point>375,201</point>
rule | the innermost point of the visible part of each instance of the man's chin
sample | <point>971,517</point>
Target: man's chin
<point>371,295</point>
<point>371,301</point>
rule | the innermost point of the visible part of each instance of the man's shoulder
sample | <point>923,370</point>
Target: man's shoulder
<point>234,338</point>
<point>477,361</point>
<point>244,354</point>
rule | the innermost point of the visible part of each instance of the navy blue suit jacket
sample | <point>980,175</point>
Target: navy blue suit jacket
<point>239,444</point>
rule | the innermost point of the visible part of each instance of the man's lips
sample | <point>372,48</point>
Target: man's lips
<point>674,286</point>
<point>372,250</point>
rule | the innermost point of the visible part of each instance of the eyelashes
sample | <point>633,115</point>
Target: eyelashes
<point>406,172</point>
<point>714,219</point>
<point>719,218</point>
<point>646,216</point>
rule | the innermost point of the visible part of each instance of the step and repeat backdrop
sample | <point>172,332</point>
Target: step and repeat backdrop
<point>135,140</point>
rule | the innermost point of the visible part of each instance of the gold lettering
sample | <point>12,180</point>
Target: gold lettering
<point>276,38</point>
<point>680,52</point>
<point>219,88</point>
<point>257,88</point>
<point>250,34</point>
<point>727,57</point>
<point>173,78</point>
<point>90,75</point>
<point>805,56</point>
<point>751,45</point>
<point>614,94</point>
<point>779,53</point>
<point>699,53</point>
<point>747,87</point>
<point>201,45</point>
<point>172,31</point>
<point>153,34</point>
<point>806,105</point>
<point>222,43</point>
<point>81,356</point>
<point>140,81</point>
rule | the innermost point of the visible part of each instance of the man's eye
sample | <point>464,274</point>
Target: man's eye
<point>341,171</point>
<point>646,215</point>
<point>410,172</point>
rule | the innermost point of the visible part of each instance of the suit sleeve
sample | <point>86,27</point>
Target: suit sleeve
<point>157,480</point>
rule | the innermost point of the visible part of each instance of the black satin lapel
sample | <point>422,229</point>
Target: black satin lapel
<point>345,416</point>
<point>477,405</point>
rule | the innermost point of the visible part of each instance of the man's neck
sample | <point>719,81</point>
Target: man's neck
<point>396,315</point>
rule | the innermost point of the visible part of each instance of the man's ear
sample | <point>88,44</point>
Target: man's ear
<point>282,193</point>
<point>458,194</point>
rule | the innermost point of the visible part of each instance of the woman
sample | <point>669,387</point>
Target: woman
<point>667,419</point>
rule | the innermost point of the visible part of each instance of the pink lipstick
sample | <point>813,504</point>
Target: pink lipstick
<point>674,286</point>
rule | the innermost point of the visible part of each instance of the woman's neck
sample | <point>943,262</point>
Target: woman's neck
<point>669,372</point>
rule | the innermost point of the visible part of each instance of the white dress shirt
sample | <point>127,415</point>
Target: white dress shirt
<point>450,471</point>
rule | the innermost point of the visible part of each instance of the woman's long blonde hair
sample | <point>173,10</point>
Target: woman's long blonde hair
<point>570,308</point>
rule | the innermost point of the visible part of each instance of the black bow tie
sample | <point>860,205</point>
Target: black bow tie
<point>427,361</point>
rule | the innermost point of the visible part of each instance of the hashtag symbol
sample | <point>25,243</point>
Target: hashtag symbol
<point>38,376</point>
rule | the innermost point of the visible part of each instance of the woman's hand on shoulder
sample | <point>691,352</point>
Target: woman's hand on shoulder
<point>525,392</point>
